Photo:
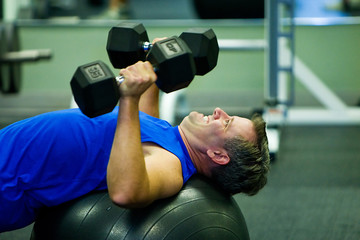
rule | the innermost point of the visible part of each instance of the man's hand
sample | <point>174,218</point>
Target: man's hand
<point>138,78</point>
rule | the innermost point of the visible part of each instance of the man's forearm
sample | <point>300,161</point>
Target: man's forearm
<point>149,101</point>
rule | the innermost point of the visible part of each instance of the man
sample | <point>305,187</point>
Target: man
<point>55,157</point>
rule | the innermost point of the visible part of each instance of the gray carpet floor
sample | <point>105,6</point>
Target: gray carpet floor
<point>313,190</point>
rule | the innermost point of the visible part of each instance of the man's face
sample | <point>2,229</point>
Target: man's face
<point>215,128</point>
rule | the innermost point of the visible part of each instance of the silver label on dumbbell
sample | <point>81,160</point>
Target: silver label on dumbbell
<point>171,47</point>
<point>94,72</point>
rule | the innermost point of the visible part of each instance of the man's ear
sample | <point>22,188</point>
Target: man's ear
<point>218,156</point>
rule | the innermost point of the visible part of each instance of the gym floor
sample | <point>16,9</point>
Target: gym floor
<point>314,184</point>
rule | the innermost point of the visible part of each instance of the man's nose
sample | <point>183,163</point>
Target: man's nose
<point>218,113</point>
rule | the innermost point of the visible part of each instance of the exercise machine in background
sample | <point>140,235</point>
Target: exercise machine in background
<point>282,68</point>
<point>11,58</point>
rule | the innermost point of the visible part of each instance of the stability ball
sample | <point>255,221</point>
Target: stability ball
<point>198,211</point>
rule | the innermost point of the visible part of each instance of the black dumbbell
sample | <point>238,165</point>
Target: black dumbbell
<point>128,43</point>
<point>204,47</point>
<point>95,88</point>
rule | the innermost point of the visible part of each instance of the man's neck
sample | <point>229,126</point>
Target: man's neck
<point>196,156</point>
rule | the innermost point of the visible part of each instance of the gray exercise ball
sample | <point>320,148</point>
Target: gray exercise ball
<point>199,211</point>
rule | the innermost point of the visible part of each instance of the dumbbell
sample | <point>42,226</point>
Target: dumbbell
<point>95,87</point>
<point>128,43</point>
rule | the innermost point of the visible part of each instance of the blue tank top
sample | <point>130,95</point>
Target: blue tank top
<point>58,156</point>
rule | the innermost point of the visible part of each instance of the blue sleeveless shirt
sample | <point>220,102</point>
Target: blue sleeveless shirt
<point>58,156</point>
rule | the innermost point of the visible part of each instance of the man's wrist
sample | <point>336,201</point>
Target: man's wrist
<point>126,100</point>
